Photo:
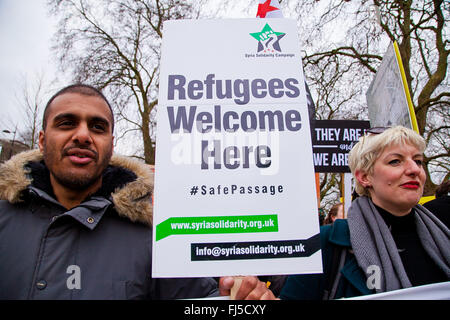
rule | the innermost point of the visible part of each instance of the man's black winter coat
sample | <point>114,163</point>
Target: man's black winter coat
<point>101,249</point>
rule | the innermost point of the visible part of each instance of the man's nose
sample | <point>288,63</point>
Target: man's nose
<point>82,134</point>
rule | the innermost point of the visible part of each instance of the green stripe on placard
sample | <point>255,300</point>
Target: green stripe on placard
<point>215,225</point>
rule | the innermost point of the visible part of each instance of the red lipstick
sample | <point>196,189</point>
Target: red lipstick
<point>411,185</point>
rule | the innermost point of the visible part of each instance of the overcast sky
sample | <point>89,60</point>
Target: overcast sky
<point>25,33</point>
<point>26,30</point>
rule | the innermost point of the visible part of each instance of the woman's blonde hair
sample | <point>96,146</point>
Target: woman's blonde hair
<point>363,155</point>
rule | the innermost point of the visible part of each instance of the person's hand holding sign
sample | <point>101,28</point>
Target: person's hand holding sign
<point>245,288</point>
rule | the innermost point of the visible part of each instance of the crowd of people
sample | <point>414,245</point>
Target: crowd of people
<point>74,203</point>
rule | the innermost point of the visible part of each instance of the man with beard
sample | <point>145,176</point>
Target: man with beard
<point>75,220</point>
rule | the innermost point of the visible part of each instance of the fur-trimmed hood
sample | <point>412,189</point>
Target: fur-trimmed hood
<point>131,200</point>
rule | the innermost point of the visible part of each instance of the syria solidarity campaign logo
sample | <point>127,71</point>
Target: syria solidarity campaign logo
<point>268,40</point>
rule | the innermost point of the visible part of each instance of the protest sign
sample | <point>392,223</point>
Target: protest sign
<point>332,141</point>
<point>388,98</point>
<point>234,178</point>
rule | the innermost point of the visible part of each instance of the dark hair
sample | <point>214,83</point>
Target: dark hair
<point>332,213</point>
<point>443,189</point>
<point>82,89</point>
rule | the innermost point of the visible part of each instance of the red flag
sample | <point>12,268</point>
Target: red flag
<point>269,9</point>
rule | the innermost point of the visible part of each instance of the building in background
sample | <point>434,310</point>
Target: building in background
<point>8,148</point>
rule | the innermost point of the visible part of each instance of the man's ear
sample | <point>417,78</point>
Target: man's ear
<point>112,145</point>
<point>363,178</point>
<point>41,140</point>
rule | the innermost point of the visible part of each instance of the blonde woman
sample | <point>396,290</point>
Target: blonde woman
<point>388,241</point>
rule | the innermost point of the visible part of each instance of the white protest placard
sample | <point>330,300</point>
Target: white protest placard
<point>234,176</point>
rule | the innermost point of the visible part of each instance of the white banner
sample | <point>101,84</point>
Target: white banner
<point>435,291</point>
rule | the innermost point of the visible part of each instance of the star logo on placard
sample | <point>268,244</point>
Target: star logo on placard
<point>268,40</point>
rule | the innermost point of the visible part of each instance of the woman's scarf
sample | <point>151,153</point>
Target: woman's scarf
<point>374,246</point>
